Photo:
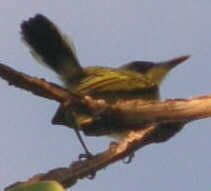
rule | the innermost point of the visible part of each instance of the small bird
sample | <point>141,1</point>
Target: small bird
<point>134,80</point>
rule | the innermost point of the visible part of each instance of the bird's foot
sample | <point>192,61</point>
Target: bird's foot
<point>87,156</point>
<point>129,158</point>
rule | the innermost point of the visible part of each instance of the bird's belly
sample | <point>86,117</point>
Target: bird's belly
<point>107,127</point>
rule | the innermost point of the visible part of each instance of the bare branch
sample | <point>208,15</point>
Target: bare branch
<point>174,110</point>
<point>35,85</point>
<point>81,169</point>
<point>141,117</point>
<point>135,114</point>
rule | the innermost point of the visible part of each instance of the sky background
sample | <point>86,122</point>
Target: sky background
<point>109,33</point>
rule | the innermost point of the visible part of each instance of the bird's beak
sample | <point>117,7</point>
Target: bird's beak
<point>160,70</point>
<point>173,62</point>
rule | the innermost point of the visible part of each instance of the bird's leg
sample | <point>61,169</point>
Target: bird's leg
<point>87,154</point>
<point>71,120</point>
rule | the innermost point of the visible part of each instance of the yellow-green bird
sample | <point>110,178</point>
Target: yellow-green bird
<point>138,79</point>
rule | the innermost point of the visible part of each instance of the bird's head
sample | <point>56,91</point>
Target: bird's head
<point>155,71</point>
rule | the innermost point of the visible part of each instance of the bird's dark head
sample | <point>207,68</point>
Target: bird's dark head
<point>139,66</point>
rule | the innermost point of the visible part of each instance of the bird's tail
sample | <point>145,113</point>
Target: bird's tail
<point>46,42</point>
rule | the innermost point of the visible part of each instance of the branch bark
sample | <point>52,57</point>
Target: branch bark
<point>142,112</point>
<point>37,86</point>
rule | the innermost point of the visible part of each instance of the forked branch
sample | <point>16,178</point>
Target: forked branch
<point>134,114</point>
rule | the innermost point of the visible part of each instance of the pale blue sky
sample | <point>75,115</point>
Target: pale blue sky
<point>109,33</point>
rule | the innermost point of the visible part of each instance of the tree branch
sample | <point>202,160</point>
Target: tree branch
<point>141,117</point>
<point>132,112</point>
<point>37,86</point>
<point>81,169</point>
<point>142,112</point>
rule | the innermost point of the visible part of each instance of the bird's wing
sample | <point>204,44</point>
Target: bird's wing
<point>105,80</point>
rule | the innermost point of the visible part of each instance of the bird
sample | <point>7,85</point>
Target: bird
<point>133,80</point>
